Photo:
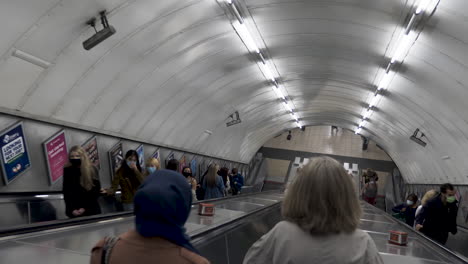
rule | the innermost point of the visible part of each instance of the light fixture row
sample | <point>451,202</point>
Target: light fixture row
<point>400,50</point>
<point>265,66</point>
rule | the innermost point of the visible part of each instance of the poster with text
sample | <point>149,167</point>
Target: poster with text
<point>55,149</point>
<point>141,155</point>
<point>14,154</point>
<point>193,167</point>
<point>156,155</point>
<point>182,163</point>
<point>91,148</point>
<point>115,158</point>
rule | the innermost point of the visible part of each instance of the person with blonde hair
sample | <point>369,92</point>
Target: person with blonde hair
<point>152,165</point>
<point>427,196</point>
<point>81,186</point>
<point>322,214</point>
<point>213,184</point>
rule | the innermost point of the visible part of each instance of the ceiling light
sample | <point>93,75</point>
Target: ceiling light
<point>403,47</point>
<point>286,105</point>
<point>298,124</point>
<point>374,101</point>
<point>229,1</point>
<point>279,93</point>
<point>294,116</point>
<point>266,71</point>
<point>363,123</point>
<point>31,59</point>
<point>385,81</point>
<point>367,114</point>
<point>245,36</point>
<point>358,130</point>
<point>423,5</point>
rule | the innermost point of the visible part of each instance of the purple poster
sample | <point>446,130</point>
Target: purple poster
<point>56,155</point>
<point>91,148</point>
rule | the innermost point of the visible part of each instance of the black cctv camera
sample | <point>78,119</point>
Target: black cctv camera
<point>289,136</point>
<point>417,139</point>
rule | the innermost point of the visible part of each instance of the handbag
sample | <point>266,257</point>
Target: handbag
<point>109,243</point>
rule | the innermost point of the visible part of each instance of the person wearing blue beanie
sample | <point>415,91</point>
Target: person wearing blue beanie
<point>162,206</point>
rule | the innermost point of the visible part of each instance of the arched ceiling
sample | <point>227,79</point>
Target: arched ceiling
<point>176,68</point>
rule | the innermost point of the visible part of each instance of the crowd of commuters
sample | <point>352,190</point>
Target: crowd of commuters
<point>82,188</point>
<point>317,212</point>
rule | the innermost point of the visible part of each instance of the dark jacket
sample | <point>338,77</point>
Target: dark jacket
<point>76,197</point>
<point>438,219</point>
<point>128,186</point>
<point>237,181</point>
<point>409,213</point>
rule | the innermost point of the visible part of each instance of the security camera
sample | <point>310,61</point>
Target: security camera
<point>417,139</point>
<point>289,136</point>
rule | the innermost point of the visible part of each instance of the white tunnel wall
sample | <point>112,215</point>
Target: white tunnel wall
<point>177,68</point>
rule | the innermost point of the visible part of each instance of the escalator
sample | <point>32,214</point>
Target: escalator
<point>224,238</point>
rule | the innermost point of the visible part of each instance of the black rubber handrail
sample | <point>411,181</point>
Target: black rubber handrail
<point>17,230</point>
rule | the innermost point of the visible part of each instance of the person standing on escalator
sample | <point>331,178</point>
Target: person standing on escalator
<point>438,216</point>
<point>129,176</point>
<point>81,186</point>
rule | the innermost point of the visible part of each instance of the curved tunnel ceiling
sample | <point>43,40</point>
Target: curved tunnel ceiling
<point>177,68</point>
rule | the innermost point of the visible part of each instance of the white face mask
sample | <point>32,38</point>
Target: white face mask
<point>408,202</point>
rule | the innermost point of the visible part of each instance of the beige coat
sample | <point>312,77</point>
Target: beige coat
<point>133,248</point>
<point>287,243</point>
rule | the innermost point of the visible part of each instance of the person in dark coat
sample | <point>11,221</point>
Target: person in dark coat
<point>81,186</point>
<point>408,209</point>
<point>439,216</point>
<point>237,181</point>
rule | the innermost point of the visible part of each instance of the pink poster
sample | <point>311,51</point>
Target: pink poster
<point>56,155</point>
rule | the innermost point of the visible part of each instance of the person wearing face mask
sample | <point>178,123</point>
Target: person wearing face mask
<point>81,186</point>
<point>152,165</point>
<point>438,216</point>
<point>187,172</point>
<point>408,209</point>
<point>129,177</point>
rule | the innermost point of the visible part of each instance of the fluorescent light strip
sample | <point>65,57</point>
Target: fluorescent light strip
<point>31,59</point>
<point>245,36</point>
<point>358,130</point>
<point>279,93</point>
<point>404,45</point>
<point>374,101</point>
<point>367,114</point>
<point>266,71</point>
<point>286,105</point>
<point>298,124</point>
<point>363,123</point>
<point>295,116</point>
<point>385,81</point>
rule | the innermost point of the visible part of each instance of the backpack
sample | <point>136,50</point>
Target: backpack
<point>371,190</point>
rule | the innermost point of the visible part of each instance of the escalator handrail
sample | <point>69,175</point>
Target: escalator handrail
<point>18,230</point>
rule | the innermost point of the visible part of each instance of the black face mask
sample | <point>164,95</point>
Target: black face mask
<point>186,174</point>
<point>75,162</point>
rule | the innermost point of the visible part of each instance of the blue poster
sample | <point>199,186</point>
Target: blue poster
<point>193,167</point>
<point>141,155</point>
<point>14,152</point>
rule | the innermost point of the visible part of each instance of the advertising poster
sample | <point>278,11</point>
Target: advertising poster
<point>171,156</point>
<point>14,154</point>
<point>55,149</point>
<point>115,158</point>
<point>91,148</point>
<point>156,155</point>
<point>141,155</point>
<point>182,163</point>
<point>193,167</point>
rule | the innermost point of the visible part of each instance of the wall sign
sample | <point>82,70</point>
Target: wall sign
<point>141,155</point>
<point>156,155</point>
<point>193,167</point>
<point>115,158</point>
<point>182,163</point>
<point>55,149</point>
<point>14,152</point>
<point>91,148</point>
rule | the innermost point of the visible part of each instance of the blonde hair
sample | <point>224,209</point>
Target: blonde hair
<point>154,162</point>
<point>427,196</point>
<point>211,176</point>
<point>322,199</point>
<point>86,168</point>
